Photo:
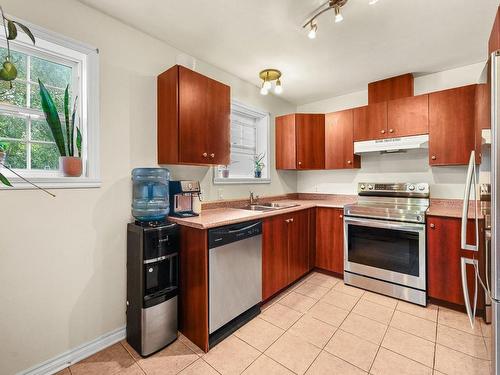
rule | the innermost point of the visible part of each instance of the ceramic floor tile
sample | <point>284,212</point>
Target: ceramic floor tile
<point>328,313</point>
<point>451,362</point>
<point>293,352</point>
<point>462,341</point>
<point>329,364</point>
<point>352,349</point>
<point>265,365</point>
<point>110,361</point>
<point>313,330</point>
<point>298,302</point>
<point>342,300</point>
<point>458,320</point>
<point>364,328</point>
<point>423,328</point>
<point>410,346</point>
<point>390,363</point>
<point>373,311</point>
<point>281,316</point>
<point>200,367</point>
<point>63,372</point>
<point>311,290</point>
<point>430,312</point>
<point>171,360</point>
<point>231,356</point>
<point>135,369</point>
<point>190,345</point>
<point>259,333</point>
<point>323,280</point>
<point>380,299</point>
<point>130,350</point>
<point>485,329</point>
<point>347,289</point>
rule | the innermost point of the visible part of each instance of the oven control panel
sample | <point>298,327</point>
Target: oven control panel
<point>394,189</point>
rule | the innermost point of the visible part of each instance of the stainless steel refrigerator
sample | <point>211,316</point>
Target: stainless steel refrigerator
<point>482,195</point>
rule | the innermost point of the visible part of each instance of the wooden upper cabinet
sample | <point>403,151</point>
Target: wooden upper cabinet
<point>286,152</point>
<point>310,135</point>
<point>451,126</point>
<point>339,143</point>
<point>330,239</point>
<point>193,118</point>
<point>408,116</point>
<point>370,122</point>
<point>494,41</point>
<point>390,89</point>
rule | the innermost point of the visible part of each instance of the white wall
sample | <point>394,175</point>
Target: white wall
<point>62,260</point>
<point>413,166</point>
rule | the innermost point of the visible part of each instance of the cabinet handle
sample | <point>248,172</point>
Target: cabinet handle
<point>349,162</point>
<point>204,154</point>
<point>289,220</point>
<point>341,216</point>
<point>300,163</point>
<point>433,157</point>
<point>212,156</point>
<point>382,131</point>
<point>433,226</point>
<point>391,130</point>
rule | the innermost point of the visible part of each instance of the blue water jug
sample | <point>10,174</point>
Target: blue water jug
<point>150,193</point>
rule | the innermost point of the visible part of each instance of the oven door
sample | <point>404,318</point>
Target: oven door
<point>386,250</point>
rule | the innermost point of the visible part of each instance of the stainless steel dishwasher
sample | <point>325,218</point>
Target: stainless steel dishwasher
<point>235,277</point>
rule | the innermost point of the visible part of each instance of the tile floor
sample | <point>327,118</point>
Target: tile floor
<point>321,326</point>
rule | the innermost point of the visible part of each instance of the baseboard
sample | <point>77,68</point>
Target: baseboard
<point>77,354</point>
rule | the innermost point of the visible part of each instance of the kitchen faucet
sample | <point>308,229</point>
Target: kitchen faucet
<point>253,198</point>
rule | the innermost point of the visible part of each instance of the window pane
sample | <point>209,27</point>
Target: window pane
<point>15,95</point>
<point>50,73</point>
<point>18,59</point>
<point>16,155</point>
<point>44,156</point>
<point>12,126</point>
<point>40,131</point>
<point>56,94</point>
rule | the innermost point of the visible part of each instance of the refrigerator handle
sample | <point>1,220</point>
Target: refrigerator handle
<point>471,312</point>
<point>471,180</point>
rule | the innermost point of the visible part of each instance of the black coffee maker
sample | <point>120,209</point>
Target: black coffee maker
<point>182,194</point>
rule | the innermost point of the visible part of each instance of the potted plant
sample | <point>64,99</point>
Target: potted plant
<point>259,165</point>
<point>70,163</point>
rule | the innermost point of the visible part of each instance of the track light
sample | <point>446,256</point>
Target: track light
<point>338,16</point>
<point>312,32</point>
<point>278,89</point>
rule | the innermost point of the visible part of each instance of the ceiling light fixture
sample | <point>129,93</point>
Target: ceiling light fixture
<point>336,6</point>
<point>268,76</point>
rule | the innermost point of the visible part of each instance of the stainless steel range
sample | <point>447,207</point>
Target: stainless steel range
<point>384,240</point>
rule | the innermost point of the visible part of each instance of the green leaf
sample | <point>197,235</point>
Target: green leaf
<point>26,31</point>
<point>12,30</point>
<point>79,142</point>
<point>52,117</point>
<point>69,138</point>
<point>4,180</point>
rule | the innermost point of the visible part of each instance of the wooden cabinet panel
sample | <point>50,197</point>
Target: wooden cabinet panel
<point>451,126</point>
<point>390,88</point>
<point>285,142</point>
<point>494,41</point>
<point>219,123</point>
<point>330,239</point>
<point>310,141</point>
<point>274,255</point>
<point>443,259</point>
<point>408,116</point>
<point>298,244</point>
<point>339,143</point>
<point>370,122</point>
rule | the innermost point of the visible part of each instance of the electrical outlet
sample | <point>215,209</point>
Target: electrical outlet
<point>220,194</point>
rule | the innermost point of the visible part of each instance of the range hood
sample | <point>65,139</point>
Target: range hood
<point>392,144</point>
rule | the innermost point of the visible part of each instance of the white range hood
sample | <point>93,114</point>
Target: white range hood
<point>392,144</point>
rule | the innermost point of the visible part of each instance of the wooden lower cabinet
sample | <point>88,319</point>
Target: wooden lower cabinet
<point>330,239</point>
<point>443,259</point>
<point>285,251</point>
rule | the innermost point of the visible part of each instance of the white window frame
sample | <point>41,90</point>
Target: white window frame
<point>263,131</point>
<point>86,60</point>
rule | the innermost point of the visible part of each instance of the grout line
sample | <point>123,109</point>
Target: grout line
<point>212,367</point>
<point>382,341</point>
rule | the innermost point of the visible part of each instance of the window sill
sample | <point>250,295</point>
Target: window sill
<point>240,181</point>
<point>53,183</point>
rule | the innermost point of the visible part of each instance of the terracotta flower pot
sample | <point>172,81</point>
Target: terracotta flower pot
<point>70,166</point>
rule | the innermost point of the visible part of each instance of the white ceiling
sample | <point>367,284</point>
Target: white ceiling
<point>374,41</point>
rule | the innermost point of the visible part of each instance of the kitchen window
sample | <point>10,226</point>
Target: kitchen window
<point>249,147</point>
<point>57,61</point>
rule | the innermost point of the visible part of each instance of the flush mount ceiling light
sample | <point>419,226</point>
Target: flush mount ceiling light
<point>268,76</point>
<point>336,6</point>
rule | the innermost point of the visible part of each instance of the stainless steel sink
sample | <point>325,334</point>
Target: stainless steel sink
<point>268,206</point>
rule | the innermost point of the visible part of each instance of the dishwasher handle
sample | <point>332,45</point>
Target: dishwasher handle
<point>231,233</point>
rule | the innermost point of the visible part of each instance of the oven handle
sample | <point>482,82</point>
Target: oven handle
<point>385,224</point>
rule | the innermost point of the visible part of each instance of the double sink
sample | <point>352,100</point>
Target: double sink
<point>269,206</point>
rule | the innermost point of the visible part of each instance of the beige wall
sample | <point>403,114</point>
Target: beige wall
<point>62,260</point>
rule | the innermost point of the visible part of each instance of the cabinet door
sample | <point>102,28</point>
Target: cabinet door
<point>274,255</point>
<point>444,252</point>
<point>451,126</point>
<point>330,239</point>
<point>370,122</point>
<point>285,142</point>
<point>219,125</point>
<point>339,143</point>
<point>298,244</point>
<point>310,141</point>
<point>408,116</point>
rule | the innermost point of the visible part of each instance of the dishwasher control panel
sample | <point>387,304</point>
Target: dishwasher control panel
<point>235,232</point>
